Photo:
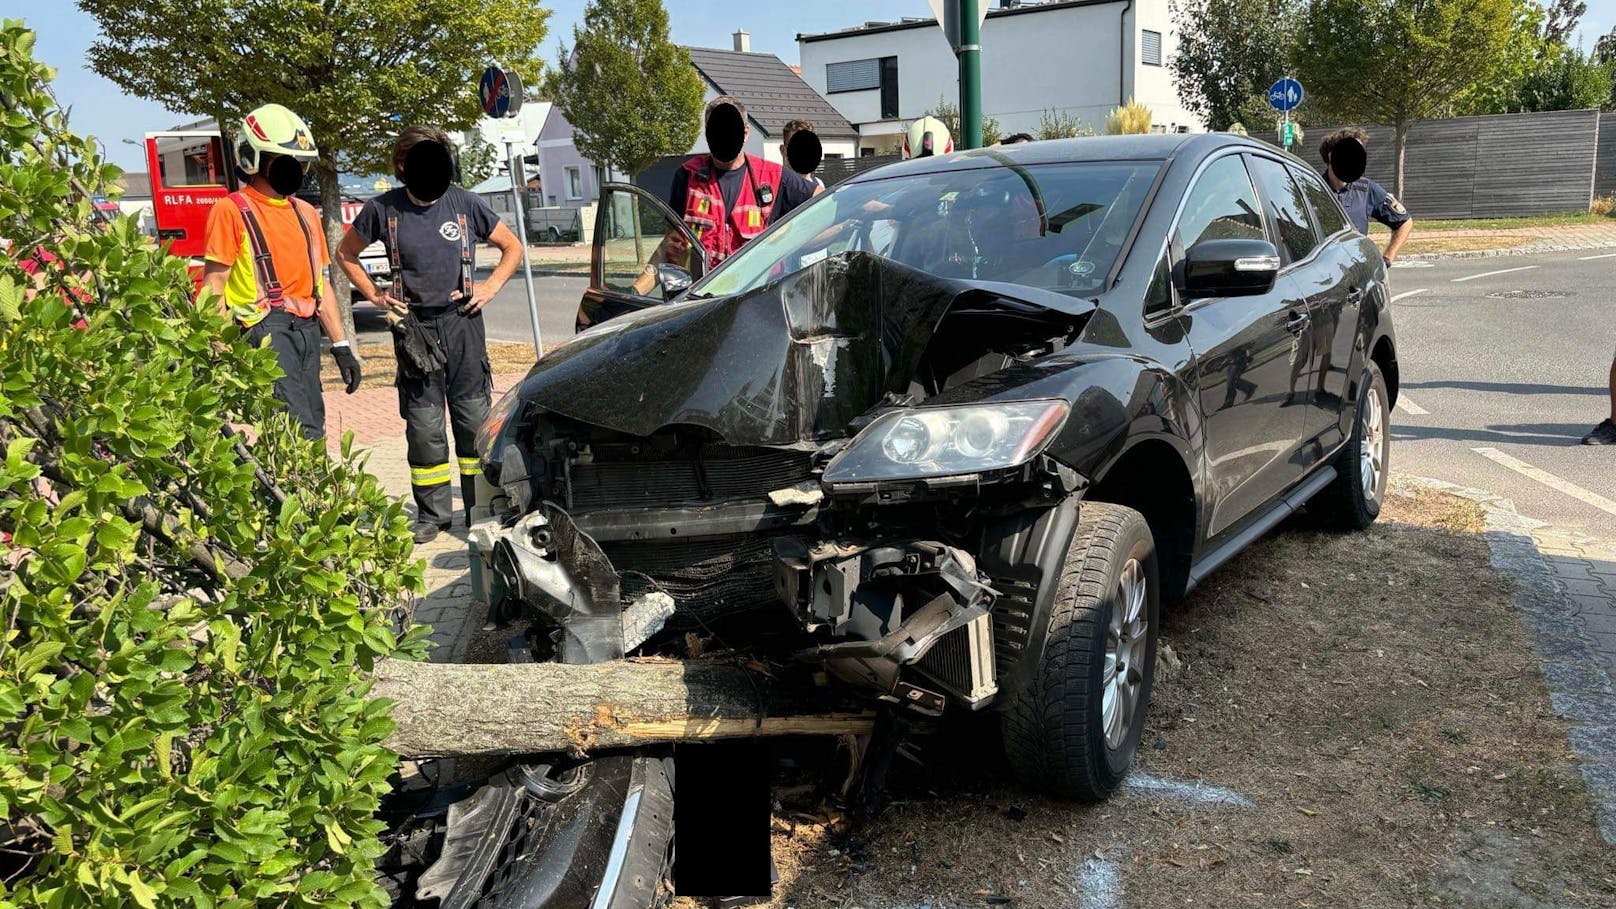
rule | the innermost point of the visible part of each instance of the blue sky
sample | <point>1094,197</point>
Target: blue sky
<point>100,108</point>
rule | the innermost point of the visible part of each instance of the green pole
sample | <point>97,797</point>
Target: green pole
<point>970,73</point>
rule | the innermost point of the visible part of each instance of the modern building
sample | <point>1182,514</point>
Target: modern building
<point>773,95</point>
<point>1079,58</point>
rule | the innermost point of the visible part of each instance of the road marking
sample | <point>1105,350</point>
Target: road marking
<point>1602,256</point>
<point>1408,293</point>
<point>1409,407</point>
<point>1489,274</point>
<point>1191,792</point>
<point>1548,479</point>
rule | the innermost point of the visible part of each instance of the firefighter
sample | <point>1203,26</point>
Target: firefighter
<point>430,229</point>
<point>265,257</point>
<point>725,195</point>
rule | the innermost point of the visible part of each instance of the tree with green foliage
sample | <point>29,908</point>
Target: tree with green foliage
<point>631,94</point>
<point>1229,53</point>
<point>948,112</point>
<point>1058,124</point>
<point>190,612</point>
<point>477,158</point>
<point>1567,80</point>
<point>355,70</point>
<point>1398,61</point>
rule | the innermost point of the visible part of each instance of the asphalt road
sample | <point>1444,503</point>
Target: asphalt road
<point>507,317</point>
<point>1503,363</point>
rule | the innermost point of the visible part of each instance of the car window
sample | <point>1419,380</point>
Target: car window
<point>1326,210</point>
<point>1285,207</point>
<point>1054,226</point>
<point>1221,206</point>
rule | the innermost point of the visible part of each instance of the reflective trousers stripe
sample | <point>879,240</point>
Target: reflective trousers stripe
<point>429,476</point>
<point>470,467</point>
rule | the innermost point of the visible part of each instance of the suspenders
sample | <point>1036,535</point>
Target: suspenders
<point>466,263</point>
<point>264,261</point>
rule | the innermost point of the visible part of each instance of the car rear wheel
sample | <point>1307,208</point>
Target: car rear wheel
<point>1073,728</point>
<point>1352,501</point>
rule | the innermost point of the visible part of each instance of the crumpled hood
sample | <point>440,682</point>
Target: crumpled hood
<point>790,363</point>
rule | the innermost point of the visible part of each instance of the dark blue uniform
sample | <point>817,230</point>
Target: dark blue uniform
<point>1364,199</point>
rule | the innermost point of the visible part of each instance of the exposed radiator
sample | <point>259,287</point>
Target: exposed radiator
<point>962,662</point>
<point>719,473</point>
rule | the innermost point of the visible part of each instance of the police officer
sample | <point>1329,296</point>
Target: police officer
<point>726,195</point>
<point>1345,159</point>
<point>265,260</point>
<point>430,229</point>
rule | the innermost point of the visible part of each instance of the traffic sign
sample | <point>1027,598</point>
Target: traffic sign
<point>1287,134</point>
<point>1285,94</point>
<point>947,13</point>
<point>501,92</point>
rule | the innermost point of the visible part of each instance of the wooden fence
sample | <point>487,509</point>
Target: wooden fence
<point>1495,166</point>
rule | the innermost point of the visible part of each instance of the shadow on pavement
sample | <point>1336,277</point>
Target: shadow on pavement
<point>1549,435</point>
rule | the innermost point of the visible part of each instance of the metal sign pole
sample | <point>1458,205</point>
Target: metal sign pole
<point>970,73</point>
<point>518,178</point>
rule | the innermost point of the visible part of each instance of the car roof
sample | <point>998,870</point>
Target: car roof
<point>1153,147</point>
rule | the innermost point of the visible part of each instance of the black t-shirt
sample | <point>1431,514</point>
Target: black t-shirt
<point>428,240</point>
<point>729,184</point>
<point>795,189</point>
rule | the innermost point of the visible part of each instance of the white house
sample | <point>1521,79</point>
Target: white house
<point>772,92</point>
<point>1078,57</point>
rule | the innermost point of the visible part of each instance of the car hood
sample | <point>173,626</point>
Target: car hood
<point>789,364</point>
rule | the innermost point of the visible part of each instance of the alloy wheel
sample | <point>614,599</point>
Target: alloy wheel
<point>1126,647</point>
<point>1372,448</point>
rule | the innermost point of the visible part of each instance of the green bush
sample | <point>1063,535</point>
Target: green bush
<point>186,618</point>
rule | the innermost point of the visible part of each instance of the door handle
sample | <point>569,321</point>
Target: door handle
<point>1355,295</point>
<point>1297,322</point>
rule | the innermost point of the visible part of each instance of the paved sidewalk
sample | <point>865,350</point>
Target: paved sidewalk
<point>1562,238</point>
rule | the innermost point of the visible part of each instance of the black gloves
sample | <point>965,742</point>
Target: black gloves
<point>348,365</point>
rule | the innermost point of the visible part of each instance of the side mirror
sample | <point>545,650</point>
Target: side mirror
<point>673,280</point>
<point>1230,268</point>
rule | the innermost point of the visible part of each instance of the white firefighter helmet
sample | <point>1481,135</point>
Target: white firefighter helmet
<point>273,130</point>
<point>927,136</point>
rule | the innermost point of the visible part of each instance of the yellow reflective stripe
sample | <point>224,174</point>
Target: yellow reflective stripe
<point>429,476</point>
<point>470,467</point>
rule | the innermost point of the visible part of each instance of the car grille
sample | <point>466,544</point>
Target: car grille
<point>708,579</point>
<point>719,473</point>
<point>527,831</point>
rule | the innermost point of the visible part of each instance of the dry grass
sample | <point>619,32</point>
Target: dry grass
<point>1373,695</point>
<point>381,369</point>
<point>1418,245</point>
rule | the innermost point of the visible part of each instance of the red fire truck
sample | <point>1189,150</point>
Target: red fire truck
<point>190,171</point>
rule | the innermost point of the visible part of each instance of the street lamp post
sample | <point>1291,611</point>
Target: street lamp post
<point>970,73</point>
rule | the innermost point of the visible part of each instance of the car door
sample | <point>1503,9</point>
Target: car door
<point>1348,275</point>
<point>1242,348</point>
<point>643,255</point>
<point>1320,284</point>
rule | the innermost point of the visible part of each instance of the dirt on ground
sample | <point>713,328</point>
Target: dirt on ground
<point>1418,245</point>
<point>1344,720</point>
<point>380,368</point>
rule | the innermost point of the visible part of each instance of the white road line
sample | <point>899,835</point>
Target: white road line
<point>1408,293</point>
<point>1548,479</point>
<point>1489,274</point>
<point>1602,256</point>
<point>1409,407</point>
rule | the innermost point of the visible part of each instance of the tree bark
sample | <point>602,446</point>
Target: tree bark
<point>325,170</point>
<point>455,709</point>
<point>1401,144</point>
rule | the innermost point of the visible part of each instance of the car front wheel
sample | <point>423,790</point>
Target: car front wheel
<point>1073,728</point>
<point>1352,501</point>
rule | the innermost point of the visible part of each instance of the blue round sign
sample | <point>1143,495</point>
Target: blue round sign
<point>501,92</point>
<point>1285,94</point>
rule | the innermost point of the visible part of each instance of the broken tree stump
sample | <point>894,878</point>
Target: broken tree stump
<point>457,709</point>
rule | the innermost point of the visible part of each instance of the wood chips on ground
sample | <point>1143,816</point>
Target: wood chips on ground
<point>380,368</point>
<point>1373,695</point>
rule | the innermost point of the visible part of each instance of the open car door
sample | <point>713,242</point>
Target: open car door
<point>644,255</point>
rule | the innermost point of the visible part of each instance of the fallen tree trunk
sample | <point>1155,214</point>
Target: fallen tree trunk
<point>458,709</point>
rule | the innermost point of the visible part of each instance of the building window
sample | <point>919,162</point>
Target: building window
<point>575,183</point>
<point>1150,47</point>
<point>853,76</point>
<point>889,88</point>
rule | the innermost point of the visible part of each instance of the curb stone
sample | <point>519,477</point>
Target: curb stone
<point>1580,688</point>
<point>1527,250</point>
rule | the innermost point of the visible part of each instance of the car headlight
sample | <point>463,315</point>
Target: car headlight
<point>495,422</point>
<point>946,441</point>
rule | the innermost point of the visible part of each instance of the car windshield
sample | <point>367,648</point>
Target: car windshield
<point>1054,226</point>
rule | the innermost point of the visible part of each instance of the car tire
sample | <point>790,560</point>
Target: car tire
<point>554,234</point>
<point>1352,500</point>
<point>1060,733</point>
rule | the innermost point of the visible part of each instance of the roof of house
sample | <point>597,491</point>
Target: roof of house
<point>498,183</point>
<point>772,93</point>
<point>874,27</point>
<point>136,185</point>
